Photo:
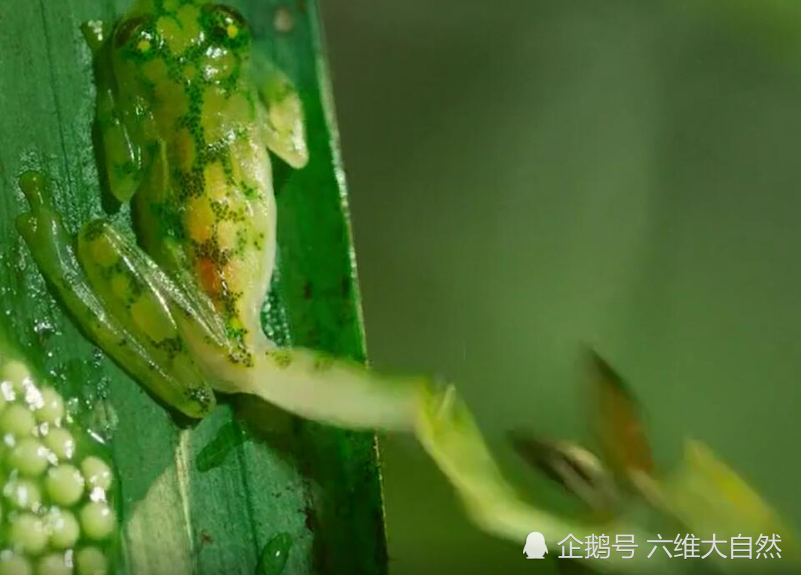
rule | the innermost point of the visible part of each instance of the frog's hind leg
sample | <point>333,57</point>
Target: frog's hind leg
<point>318,386</point>
<point>122,303</point>
<point>349,395</point>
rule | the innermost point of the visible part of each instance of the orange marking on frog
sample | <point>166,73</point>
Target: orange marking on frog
<point>209,276</point>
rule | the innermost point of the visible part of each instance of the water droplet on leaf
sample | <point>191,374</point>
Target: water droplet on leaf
<point>275,555</point>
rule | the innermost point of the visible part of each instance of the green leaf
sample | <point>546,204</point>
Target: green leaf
<point>314,488</point>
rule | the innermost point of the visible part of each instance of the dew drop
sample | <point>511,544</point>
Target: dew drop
<point>275,555</point>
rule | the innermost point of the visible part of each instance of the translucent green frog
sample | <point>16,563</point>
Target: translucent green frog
<point>186,118</point>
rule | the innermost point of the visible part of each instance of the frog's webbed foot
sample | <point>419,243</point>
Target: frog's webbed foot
<point>122,303</point>
<point>284,127</point>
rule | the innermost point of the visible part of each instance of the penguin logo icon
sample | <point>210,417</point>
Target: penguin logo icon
<point>535,547</point>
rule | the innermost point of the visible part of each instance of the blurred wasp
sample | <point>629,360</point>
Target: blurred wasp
<point>623,465</point>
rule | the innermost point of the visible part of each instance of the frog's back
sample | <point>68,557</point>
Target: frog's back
<point>206,203</point>
<point>213,209</point>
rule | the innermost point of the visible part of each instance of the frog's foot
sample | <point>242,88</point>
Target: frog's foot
<point>118,301</point>
<point>284,127</point>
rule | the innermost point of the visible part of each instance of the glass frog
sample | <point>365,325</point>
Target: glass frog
<point>186,115</point>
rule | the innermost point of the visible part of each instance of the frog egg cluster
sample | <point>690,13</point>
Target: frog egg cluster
<point>55,512</point>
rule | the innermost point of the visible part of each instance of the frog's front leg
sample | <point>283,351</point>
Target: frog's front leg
<point>118,297</point>
<point>283,128</point>
<point>119,157</point>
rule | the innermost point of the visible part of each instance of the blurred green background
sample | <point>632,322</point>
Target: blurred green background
<point>526,176</point>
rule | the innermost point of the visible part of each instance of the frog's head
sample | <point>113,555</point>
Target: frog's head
<point>161,45</point>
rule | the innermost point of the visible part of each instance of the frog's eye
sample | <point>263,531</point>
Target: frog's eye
<point>226,22</point>
<point>137,34</point>
<point>127,30</point>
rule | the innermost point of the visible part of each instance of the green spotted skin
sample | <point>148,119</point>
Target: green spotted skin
<point>185,119</point>
<point>57,513</point>
<point>190,108</point>
<point>186,115</point>
<point>114,268</point>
